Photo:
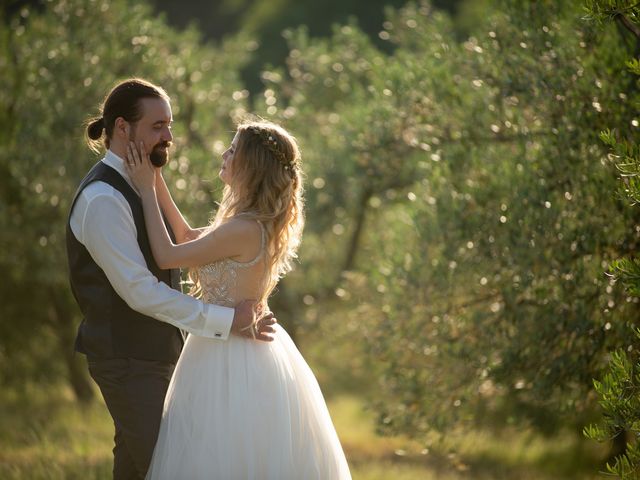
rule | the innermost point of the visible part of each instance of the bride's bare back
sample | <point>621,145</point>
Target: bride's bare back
<point>229,281</point>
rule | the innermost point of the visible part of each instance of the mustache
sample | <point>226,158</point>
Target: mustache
<point>163,145</point>
<point>159,155</point>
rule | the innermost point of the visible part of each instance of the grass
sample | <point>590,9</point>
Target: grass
<point>44,434</point>
<point>513,454</point>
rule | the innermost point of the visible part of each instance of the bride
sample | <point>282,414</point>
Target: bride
<point>240,409</point>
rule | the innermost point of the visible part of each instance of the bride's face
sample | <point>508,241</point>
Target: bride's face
<point>226,169</point>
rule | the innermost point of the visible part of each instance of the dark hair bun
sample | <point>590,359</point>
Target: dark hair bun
<point>94,129</point>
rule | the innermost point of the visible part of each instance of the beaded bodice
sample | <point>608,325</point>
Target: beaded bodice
<point>219,280</point>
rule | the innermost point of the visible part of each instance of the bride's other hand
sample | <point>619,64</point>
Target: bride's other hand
<point>139,167</point>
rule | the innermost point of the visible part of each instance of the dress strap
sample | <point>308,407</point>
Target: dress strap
<point>263,239</point>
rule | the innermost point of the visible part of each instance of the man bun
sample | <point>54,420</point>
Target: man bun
<point>95,128</point>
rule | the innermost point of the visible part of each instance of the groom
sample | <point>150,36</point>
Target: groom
<point>133,310</point>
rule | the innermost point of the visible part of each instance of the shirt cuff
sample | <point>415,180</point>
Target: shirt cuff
<point>219,321</point>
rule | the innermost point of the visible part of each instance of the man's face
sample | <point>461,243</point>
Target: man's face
<point>154,129</point>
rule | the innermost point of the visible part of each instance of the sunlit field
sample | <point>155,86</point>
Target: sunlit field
<point>46,435</point>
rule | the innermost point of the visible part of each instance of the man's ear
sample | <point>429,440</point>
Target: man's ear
<point>122,128</point>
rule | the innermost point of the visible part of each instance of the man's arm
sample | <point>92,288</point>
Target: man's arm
<point>108,232</point>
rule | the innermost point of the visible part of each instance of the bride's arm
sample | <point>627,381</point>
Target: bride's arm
<point>232,239</point>
<point>228,240</point>
<point>181,228</point>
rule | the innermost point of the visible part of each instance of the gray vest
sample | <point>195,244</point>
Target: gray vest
<point>110,329</point>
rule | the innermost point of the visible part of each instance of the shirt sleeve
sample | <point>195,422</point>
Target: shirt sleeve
<point>108,232</point>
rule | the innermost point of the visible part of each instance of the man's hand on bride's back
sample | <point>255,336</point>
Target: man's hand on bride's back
<point>247,323</point>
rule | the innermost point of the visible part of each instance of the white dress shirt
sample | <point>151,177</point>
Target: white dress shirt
<point>102,221</point>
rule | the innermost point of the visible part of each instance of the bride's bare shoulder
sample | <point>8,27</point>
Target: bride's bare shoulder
<point>241,228</point>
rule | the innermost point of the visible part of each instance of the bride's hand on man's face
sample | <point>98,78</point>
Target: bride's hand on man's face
<point>139,167</point>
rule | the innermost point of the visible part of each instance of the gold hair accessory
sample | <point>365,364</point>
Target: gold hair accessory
<point>271,143</point>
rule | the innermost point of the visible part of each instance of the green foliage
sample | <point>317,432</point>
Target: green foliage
<point>477,194</point>
<point>619,389</point>
<point>460,213</point>
<point>57,66</point>
<point>628,270</point>
<point>603,11</point>
<point>619,392</point>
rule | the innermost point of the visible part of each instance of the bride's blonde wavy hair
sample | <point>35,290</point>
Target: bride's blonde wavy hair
<point>267,185</point>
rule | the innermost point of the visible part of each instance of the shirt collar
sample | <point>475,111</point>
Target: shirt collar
<point>114,161</point>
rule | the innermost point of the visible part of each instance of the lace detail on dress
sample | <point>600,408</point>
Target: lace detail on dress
<point>218,280</point>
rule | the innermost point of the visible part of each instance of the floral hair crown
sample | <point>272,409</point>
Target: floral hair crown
<point>269,141</point>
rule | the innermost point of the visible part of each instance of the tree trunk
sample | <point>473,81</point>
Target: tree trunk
<point>65,329</point>
<point>354,242</point>
<point>618,446</point>
<point>77,369</point>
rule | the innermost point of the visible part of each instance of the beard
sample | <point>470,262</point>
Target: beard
<point>159,156</point>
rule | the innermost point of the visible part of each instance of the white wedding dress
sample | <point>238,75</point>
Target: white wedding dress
<point>242,409</point>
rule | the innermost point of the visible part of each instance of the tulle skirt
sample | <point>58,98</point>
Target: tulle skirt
<point>242,409</point>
